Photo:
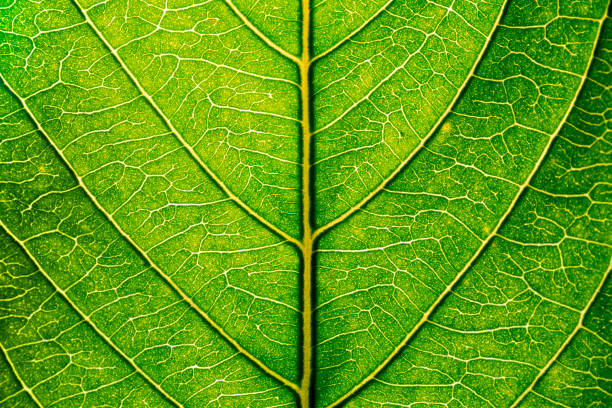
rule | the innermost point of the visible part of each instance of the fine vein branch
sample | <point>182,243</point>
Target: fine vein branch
<point>190,150</point>
<point>205,316</point>
<point>116,225</point>
<point>261,35</point>
<point>130,359</point>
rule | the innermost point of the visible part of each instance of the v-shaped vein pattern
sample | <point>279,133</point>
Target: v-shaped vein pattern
<point>236,203</point>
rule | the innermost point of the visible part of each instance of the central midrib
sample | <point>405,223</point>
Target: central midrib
<point>307,240</point>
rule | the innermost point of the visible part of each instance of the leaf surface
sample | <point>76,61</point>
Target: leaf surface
<point>232,203</point>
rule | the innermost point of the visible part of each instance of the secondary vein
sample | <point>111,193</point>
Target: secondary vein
<point>86,318</point>
<point>27,389</point>
<point>423,141</point>
<point>524,186</point>
<point>354,32</point>
<point>180,138</point>
<point>261,35</point>
<point>216,327</point>
<point>566,343</point>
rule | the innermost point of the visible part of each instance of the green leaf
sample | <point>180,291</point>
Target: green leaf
<point>239,203</point>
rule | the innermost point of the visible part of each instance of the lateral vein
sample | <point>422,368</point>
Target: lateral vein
<point>178,135</point>
<point>144,254</point>
<point>18,377</point>
<point>566,343</point>
<point>87,319</point>
<point>483,245</point>
<point>423,141</point>
<point>354,32</point>
<point>261,35</point>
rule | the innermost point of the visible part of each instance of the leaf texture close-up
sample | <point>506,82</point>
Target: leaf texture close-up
<point>305,203</point>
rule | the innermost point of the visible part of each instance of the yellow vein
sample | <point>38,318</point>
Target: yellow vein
<point>423,141</point>
<point>261,35</point>
<point>18,377</point>
<point>176,133</point>
<point>480,249</point>
<point>87,319</point>
<point>307,275</point>
<point>159,271</point>
<point>565,344</point>
<point>354,32</point>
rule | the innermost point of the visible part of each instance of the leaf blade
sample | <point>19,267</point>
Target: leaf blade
<point>196,189</point>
